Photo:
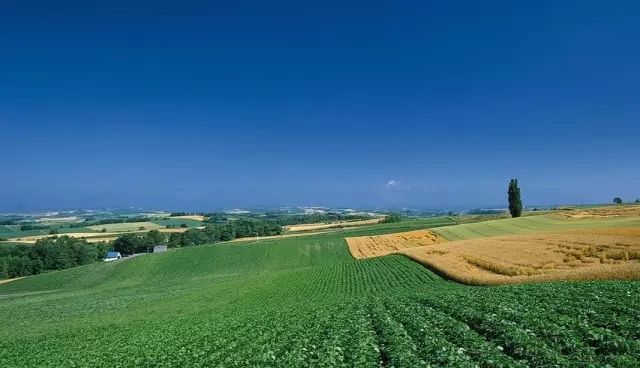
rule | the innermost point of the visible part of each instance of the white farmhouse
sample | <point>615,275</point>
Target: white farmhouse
<point>112,256</point>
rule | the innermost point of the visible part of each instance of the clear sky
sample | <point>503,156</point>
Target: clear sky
<point>209,104</point>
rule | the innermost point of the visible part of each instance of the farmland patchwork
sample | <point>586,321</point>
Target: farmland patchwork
<point>306,302</point>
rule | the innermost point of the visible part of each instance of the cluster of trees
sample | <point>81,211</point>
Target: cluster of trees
<point>394,217</point>
<point>216,232</point>
<point>618,200</point>
<point>27,227</point>
<point>128,244</point>
<point>48,254</point>
<point>116,220</point>
<point>284,220</point>
<point>188,214</point>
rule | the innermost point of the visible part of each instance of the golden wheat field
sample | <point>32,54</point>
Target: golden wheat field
<point>92,237</point>
<point>380,245</point>
<point>600,212</point>
<point>34,238</point>
<point>587,254</point>
<point>190,217</point>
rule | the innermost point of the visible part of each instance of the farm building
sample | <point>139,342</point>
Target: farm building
<point>112,256</point>
<point>159,248</point>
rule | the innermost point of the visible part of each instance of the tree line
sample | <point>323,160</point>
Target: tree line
<point>173,214</point>
<point>285,220</point>
<point>217,232</point>
<point>128,244</point>
<point>115,220</point>
<point>132,243</point>
<point>47,255</point>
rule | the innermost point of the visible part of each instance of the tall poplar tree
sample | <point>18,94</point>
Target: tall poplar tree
<point>515,202</point>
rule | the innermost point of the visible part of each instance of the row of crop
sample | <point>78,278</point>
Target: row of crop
<point>531,331</point>
<point>450,342</point>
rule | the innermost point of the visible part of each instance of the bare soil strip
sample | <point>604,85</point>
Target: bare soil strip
<point>330,225</point>
<point>4,281</point>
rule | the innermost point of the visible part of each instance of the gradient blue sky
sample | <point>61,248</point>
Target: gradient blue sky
<point>202,105</point>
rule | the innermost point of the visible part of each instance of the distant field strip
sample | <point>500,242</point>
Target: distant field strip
<point>586,254</point>
<point>199,218</point>
<point>16,234</point>
<point>178,222</point>
<point>528,225</point>
<point>380,245</point>
<point>90,237</point>
<point>601,212</point>
<point>329,225</point>
<point>34,238</point>
<point>126,226</point>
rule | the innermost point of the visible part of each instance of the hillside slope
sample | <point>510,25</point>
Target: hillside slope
<point>529,225</point>
<point>305,301</point>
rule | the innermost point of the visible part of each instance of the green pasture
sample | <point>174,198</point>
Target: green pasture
<point>13,231</point>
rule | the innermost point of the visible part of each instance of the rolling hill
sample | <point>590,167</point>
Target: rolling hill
<point>304,301</point>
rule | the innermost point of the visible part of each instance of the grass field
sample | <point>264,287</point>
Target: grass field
<point>530,225</point>
<point>304,301</point>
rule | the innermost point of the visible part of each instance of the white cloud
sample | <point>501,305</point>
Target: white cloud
<point>393,183</point>
<point>429,188</point>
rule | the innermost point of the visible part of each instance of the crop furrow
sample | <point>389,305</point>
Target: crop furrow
<point>452,335</point>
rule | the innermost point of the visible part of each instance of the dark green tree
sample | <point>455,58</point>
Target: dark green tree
<point>617,200</point>
<point>154,237</point>
<point>515,202</point>
<point>390,218</point>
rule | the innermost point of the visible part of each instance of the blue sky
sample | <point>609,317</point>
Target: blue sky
<point>202,105</point>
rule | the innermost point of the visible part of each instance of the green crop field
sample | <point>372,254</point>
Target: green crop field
<point>304,301</point>
<point>13,231</point>
<point>126,226</point>
<point>176,222</point>
<point>528,225</point>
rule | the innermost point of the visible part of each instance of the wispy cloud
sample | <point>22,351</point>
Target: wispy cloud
<point>393,183</point>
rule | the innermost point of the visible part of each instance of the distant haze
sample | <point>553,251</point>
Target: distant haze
<point>379,104</point>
